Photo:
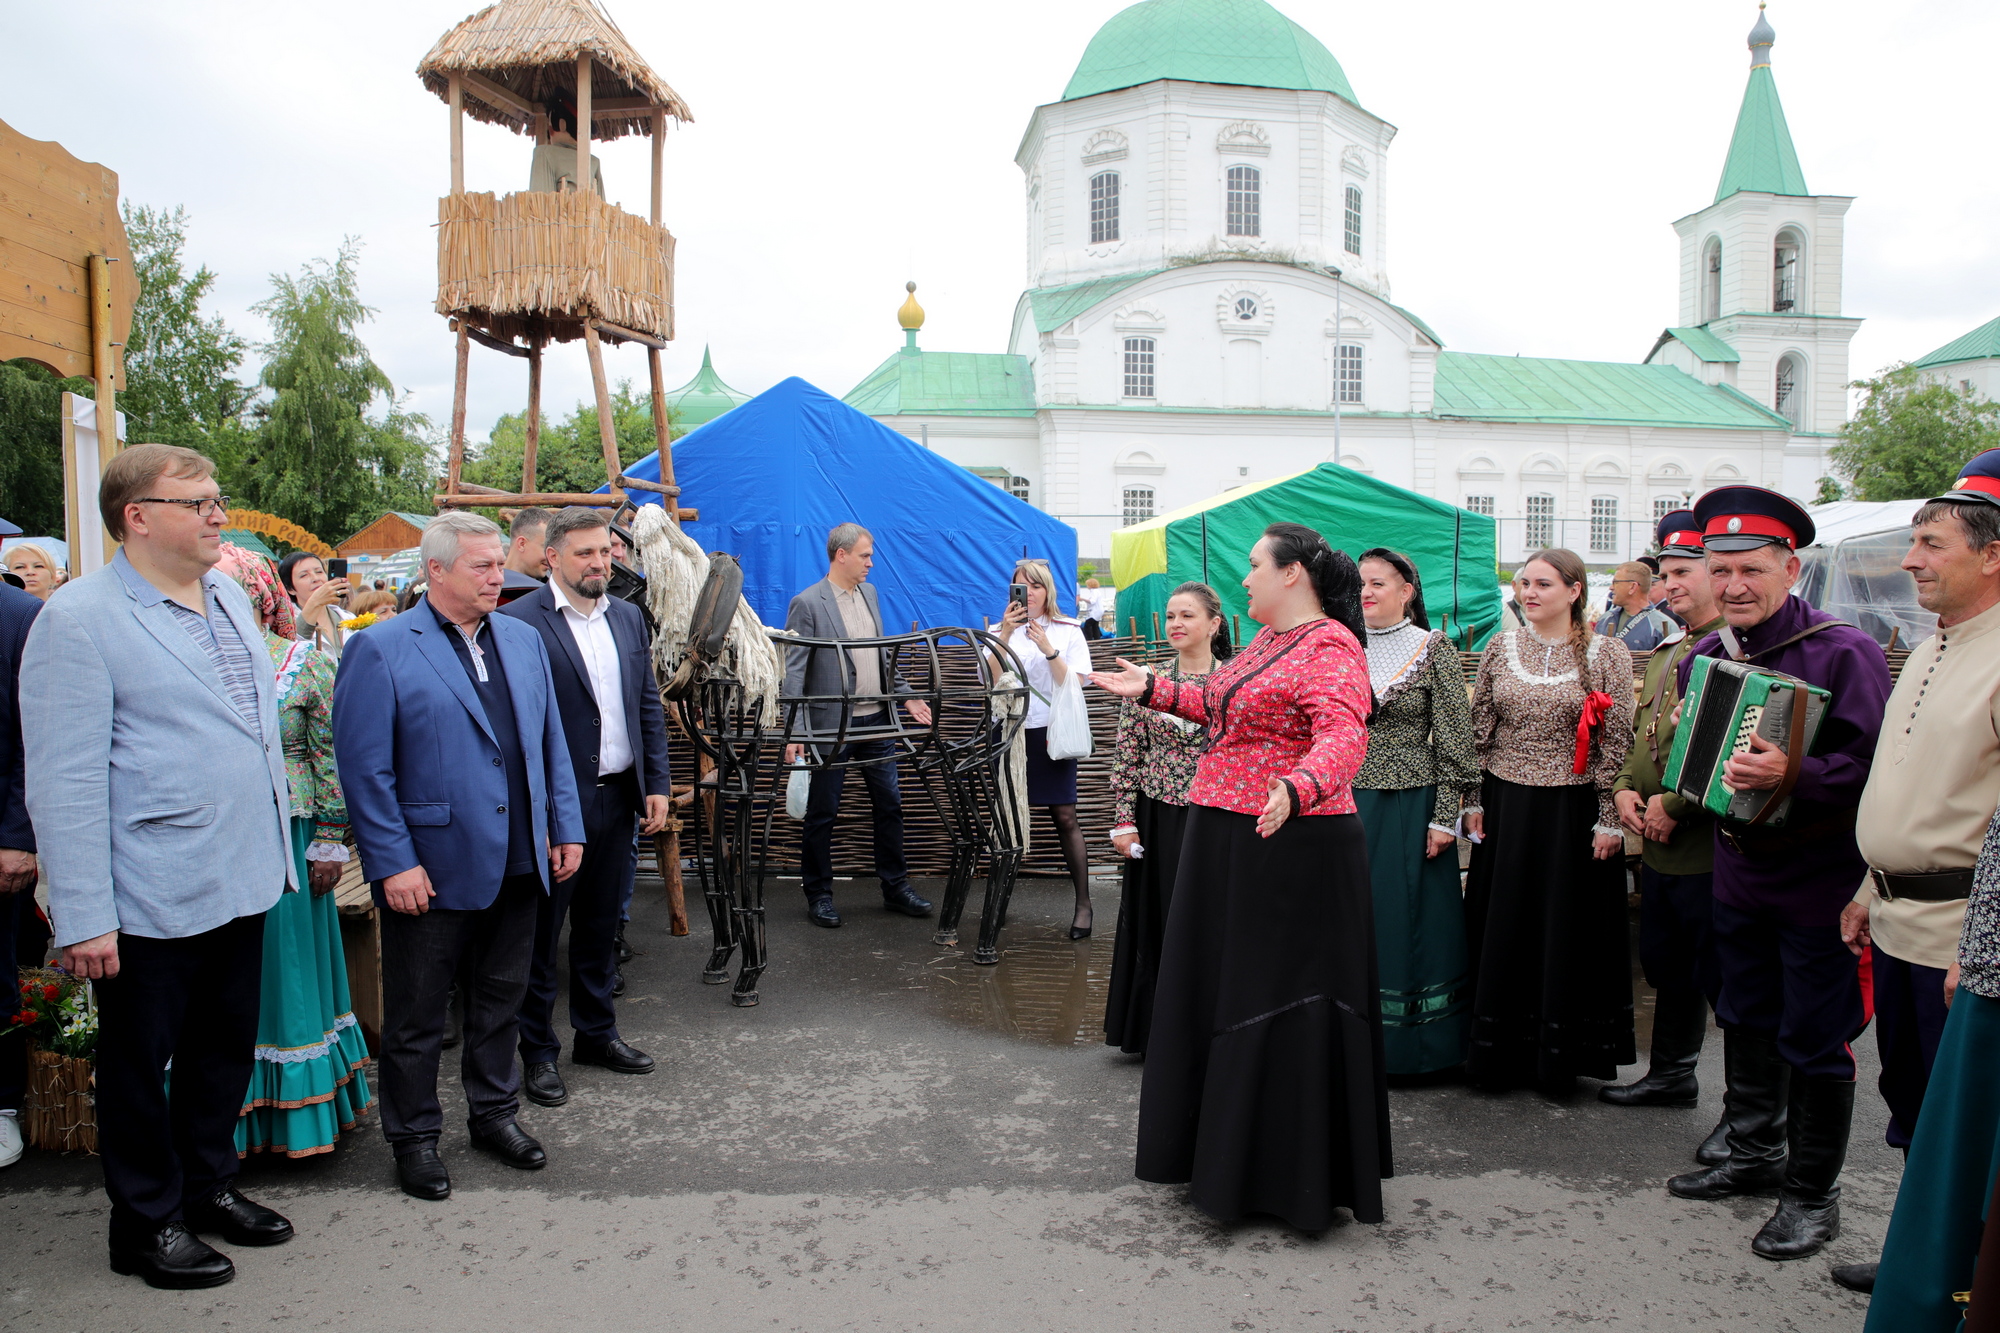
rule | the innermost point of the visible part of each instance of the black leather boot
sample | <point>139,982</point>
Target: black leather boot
<point>1808,1213</point>
<point>1756,1108</point>
<point>1714,1149</point>
<point>1680,1021</point>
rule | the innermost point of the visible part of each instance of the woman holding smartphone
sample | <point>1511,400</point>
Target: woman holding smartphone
<point>1050,646</point>
<point>318,598</point>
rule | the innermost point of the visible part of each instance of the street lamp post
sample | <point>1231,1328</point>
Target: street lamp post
<point>1339,369</point>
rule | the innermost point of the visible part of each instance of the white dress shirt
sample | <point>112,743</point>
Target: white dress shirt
<point>1069,644</point>
<point>590,625</point>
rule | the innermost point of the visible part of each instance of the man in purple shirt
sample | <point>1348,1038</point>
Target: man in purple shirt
<point>1793,996</point>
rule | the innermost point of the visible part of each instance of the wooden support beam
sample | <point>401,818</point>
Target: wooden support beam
<point>607,429</point>
<point>457,135</point>
<point>584,64</point>
<point>485,339</point>
<point>652,487</point>
<point>456,464</point>
<point>107,359</point>
<point>623,334</point>
<point>542,499</point>
<point>533,440</point>
<point>659,140</point>
<point>620,108</point>
<point>500,99</point>
<point>470,489</point>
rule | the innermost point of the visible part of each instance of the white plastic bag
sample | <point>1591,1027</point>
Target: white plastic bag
<point>1069,721</point>
<point>798,789</point>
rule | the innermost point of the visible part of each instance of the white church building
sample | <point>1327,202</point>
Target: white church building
<point>1209,303</point>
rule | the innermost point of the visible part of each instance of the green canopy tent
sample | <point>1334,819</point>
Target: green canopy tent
<point>1455,550</point>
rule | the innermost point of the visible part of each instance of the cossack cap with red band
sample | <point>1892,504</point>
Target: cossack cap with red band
<point>1680,532</point>
<point>1978,480</point>
<point>1742,518</point>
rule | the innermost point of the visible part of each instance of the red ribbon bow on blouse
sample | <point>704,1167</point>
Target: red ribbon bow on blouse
<point>1596,707</point>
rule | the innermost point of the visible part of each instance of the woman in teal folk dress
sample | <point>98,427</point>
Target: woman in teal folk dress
<point>308,1084</point>
<point>1420,764</point>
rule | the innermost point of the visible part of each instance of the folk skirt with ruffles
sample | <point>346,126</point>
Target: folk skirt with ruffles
<point>1419,934</point>
<point>308,1083</point>
<point>1263,1088</point>
<point>1546,925</point>
<point>1142,923</point>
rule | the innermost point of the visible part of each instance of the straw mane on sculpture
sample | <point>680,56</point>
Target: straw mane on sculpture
<point>676,571</point>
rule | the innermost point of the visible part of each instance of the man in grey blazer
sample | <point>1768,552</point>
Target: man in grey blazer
<point>843,605</point>
<point>156,783</point>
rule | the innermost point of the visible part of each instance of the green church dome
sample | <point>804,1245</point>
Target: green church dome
<point>1241,42</point>
<point>703,398</point>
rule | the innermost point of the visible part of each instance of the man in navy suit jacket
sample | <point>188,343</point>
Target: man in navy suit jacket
<point>452,757</point>
<point>17,860</point>
<point>611,713</point>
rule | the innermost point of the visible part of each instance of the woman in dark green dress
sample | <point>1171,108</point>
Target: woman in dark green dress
<point>1420,765</point>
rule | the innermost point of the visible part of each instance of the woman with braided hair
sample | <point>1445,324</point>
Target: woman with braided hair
<point>1264,1089</point>
<point>1545,902</point>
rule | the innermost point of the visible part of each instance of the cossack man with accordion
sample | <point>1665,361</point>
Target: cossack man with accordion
<point>1931,795</point>
<point>1793,997</point>
<point>1679,850</point>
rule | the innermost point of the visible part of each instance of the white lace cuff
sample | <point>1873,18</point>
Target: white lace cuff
<point>326,851</point>
<point>1124,828</point>
<point>1464,810</point>
<point>1600,831</point>
<point>1445,828</point>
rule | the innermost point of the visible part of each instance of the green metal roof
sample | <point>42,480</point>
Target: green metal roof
<point>1705,345</point>
<point>703,398</point>
<point>1977,345</point>
<point>414,520</point>
<point>964,384</point>
<point>249,541</point>
<point>1242,42</point>
<point>1422,327</point>
<point>1761,156</point>
<point>1057,306</point>
<point>1523,388</point>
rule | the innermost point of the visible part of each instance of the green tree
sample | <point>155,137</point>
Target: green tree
<point>31,470</point>
<point>569,456</point>
<point>1912,435</point>
<point>317,457</point>
<point>180,368</point>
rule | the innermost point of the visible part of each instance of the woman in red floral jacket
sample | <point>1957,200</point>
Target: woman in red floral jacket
<point>1264,1085</point>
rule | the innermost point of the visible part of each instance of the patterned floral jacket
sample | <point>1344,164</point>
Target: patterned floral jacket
<point>305,721</point>
<point>1155,755</point>
<point>1292,706</point>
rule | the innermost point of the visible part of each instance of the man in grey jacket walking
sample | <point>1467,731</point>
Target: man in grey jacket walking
<point>156,783</point>
<point>843,605</point>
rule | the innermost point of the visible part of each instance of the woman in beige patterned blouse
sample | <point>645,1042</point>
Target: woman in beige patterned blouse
<point>1545,902</point>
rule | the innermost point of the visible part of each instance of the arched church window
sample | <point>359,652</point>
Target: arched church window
<point>1479,504</point>
<point>1785,272</point>
<point>1138,367</point>
<point>1664,505</point>
<point>1711,283</point>
<point>1604,523</point>
<point>1353,220</point>
<point>1018,487</point>
<point>1138,504</point>
<point>1541,522</point>
<point>1349,373</point>
<point>1786,399</point>
<point>1246,308</point>
<point>1246,201</point>
<point>1103,207</point>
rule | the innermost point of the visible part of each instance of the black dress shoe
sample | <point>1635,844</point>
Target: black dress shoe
<point>820,912</point>
<point>422,1175</point>
<point>1676,1088</point>
<point>236,1219</point>
<point>544,1084</point>
<point>906,901</point>
<point>614,1055</point>
<point>624,949</point>
<point>1727,1180</point>
<point>512,1145</point>
<point>617,982</point>
<point>174,1259</point>
<point>1857,1277</point>
<point>1799,1228</point>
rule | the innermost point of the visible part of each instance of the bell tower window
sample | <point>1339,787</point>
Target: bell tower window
<point>1246,202</point>
<point>1103,207</point>
<point>1786,399</point>
<point>1785,292</point>
<point>1711,282</point>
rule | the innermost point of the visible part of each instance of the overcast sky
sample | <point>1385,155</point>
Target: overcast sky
<point>839,150</point>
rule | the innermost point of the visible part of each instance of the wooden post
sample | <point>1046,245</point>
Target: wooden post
<point>607,430</point>
<point>662,434</point>
<point>1133,623</point>
<point>1156,627</point>
<point>457,461</point>
<point>583,66</point>
<point>1236,630</point>
<point>106,367</point>
<point>534,434</point>
<point>667,853</point>
<point>457,136</point>
<point>659,137</point>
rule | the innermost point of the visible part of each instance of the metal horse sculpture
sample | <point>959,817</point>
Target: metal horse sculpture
<point>971,684</point>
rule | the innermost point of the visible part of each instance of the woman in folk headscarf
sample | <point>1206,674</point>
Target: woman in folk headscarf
<point>308,1084</point>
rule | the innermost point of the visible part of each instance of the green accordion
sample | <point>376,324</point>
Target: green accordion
<point>1727,703</point>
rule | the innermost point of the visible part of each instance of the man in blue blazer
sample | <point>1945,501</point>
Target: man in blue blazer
<point>618,750</point>
<point>450,747</point>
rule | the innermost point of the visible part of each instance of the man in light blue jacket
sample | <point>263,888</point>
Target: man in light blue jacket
<point>156,784</point>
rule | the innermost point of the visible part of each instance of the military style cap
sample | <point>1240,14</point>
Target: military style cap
<point>1978,481</point>
<point>1679,532</point>
<point>1742,518</point>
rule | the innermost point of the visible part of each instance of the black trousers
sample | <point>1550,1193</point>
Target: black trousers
<point>1909,1024</point>
<point>885,800</point>
<point>592,899</point>
<point>1676,922</point>
<point>487,952</point>
<point>191,1002</point>
<point>1796,985</point>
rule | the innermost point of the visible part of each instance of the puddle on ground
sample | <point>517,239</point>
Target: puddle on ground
<point>1046,988</point>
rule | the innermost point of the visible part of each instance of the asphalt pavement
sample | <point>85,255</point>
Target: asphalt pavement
<point>897,1139</point>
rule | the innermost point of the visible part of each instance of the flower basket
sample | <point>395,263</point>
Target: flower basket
<point>61,1113</point>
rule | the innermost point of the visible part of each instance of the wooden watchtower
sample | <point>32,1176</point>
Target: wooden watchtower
<point>519,271</point>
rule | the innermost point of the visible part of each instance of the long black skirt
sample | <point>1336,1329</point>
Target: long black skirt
<point>1551,952</point>
<point>1142,923</point>
<point>1264,1087</point>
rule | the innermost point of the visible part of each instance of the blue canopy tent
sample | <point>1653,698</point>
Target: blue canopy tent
<point>773,476</point>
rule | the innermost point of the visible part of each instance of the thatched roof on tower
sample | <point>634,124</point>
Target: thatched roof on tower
<point>514,56</point>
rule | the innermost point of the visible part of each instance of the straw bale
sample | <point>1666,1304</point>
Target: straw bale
<point>536,264</point>
<point>530,48</point>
